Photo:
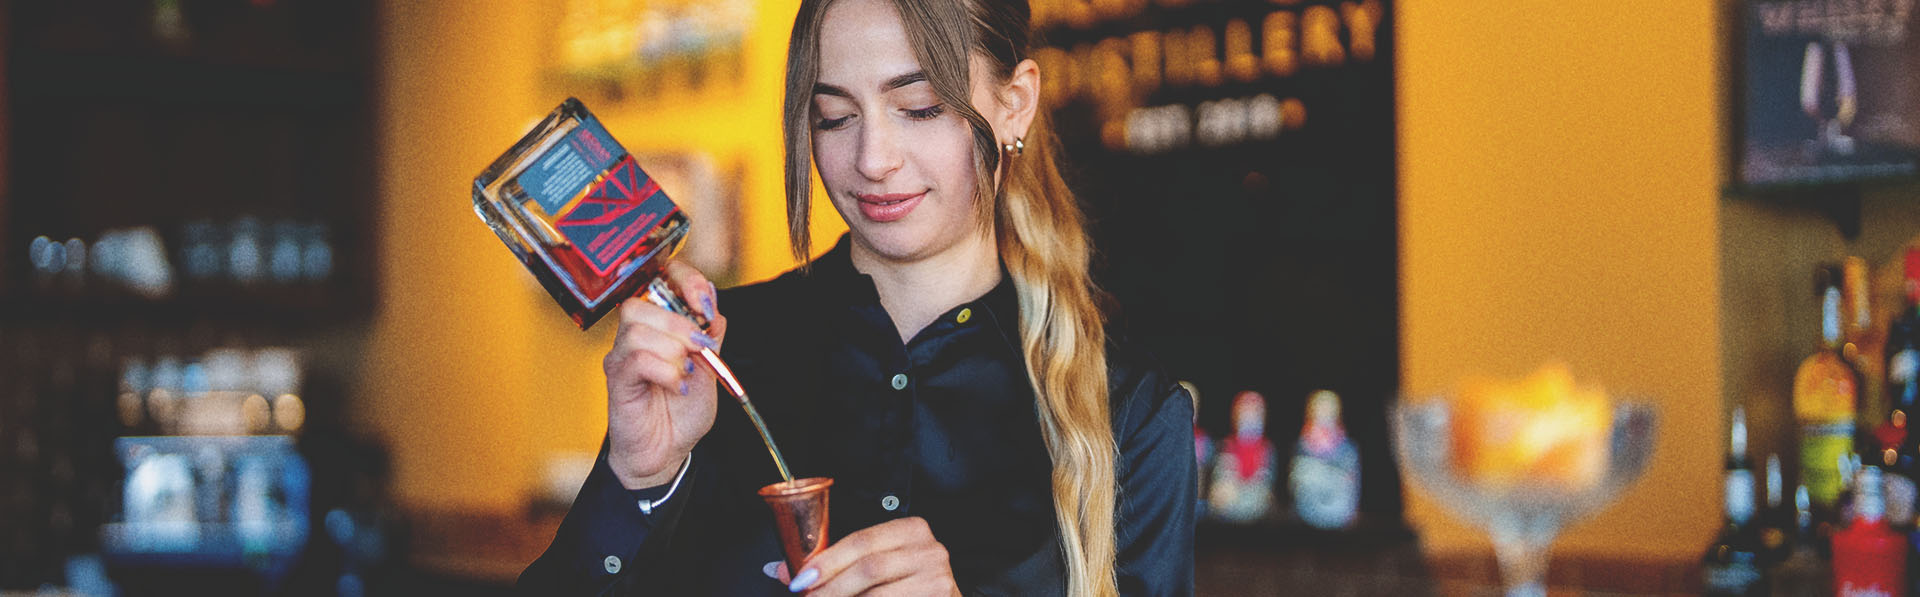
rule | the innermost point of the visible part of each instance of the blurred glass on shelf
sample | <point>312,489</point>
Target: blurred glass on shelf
<point>200,250</point>
<point>210,502</point>
<point>243,251</point>
<point>135,259</point>
<point>616,42</point>
<point>1524,459</point>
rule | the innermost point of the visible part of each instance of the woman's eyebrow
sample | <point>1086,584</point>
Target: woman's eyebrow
<point>904,80</point>
<point>890,85</point>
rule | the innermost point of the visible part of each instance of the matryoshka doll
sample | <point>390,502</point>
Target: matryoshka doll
<point>1325,476</point>
<point>1242,487</point>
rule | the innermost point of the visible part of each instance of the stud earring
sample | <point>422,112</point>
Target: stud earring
<point>1017,147</point>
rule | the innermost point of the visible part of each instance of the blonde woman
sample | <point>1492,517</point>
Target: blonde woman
<point>945,363</point>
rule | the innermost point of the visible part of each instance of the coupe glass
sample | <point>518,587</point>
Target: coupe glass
<point>1524,516</point>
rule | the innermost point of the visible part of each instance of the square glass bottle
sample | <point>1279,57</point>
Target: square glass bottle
<point>580,213</point>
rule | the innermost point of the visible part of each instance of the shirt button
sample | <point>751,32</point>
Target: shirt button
<point>900,381</point>
<point>965,314</point>
<point>890,503</point>
<point>613,565</point>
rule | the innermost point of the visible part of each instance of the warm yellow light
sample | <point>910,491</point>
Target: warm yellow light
<point>289,413</point>
<point>253,413</point>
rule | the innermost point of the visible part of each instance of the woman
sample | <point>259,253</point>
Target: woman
<point>945,363</point>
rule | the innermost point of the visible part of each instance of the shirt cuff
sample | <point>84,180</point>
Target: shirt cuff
<point>609,522</point>
<point>651,499</point>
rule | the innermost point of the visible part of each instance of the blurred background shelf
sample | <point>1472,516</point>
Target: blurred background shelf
<point>173,81</point>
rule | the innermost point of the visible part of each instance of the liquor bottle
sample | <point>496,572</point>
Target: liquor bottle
<point>1732,565</point>
<point>1869,559</point>
<point>1825,394</point>
<point>1902,369</point>
<point>1807,570</point>
<point>1862,344</point>
<point>1902,387</point>
<point>1894,440</point>
<point>1776,522</point>
<point>580,213</point>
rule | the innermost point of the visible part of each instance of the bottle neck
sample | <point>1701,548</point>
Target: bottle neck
<point>1830,317</point>
<point>1870,500</point>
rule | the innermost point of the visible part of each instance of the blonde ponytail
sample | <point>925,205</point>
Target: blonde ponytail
<point>1063,336</point>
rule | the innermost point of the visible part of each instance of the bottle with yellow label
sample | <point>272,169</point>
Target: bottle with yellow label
<point>1826,394</point>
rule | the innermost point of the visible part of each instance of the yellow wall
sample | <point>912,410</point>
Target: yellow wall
<point>1559,192</point>
<point>471,374</point>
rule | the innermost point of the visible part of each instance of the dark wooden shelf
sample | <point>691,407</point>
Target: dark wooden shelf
<point>290,307</point>
<point>51,76</point>
<point>1367,533</point>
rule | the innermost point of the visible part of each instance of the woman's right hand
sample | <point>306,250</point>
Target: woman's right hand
<point>660,398</point>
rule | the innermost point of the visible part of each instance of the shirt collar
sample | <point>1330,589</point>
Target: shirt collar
<point>842,286</point>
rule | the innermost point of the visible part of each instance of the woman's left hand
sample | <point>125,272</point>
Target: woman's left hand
<point>897,557</point>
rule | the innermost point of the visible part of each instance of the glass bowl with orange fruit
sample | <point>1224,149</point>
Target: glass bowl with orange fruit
<point>1523,459</point>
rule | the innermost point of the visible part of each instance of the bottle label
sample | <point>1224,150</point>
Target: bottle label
<point>1849,589</point>
<point>1900,499</point>
<point>1820,454</point>
<point>1734,578</point>
<point>1822,395</point>
<point>1739,496</point>
<point>615,214</point>
<point>568,166</point>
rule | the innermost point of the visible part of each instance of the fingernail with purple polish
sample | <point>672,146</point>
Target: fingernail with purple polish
<point>706,304</point>
<point>705,341</point>
<point>806,578</point>
<point>689,365</point>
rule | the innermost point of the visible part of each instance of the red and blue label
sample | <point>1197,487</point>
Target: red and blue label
<point>616,213</point>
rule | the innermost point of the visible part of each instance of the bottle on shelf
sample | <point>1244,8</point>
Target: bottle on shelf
<point>1807,569</point>
<point>1863,344</point>
<point>1825,400</point>
<point>1776,523</point>
<point>1733,563</point>
<point>1869,558</point>
<point>1893,439</point>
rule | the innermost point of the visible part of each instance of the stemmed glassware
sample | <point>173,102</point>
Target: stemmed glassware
<point>1525,512</point>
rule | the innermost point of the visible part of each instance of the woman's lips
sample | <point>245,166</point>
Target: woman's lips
<point>890,207</point>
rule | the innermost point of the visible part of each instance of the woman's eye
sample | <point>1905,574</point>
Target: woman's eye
<point>927,113</point>
<point>828,124</point>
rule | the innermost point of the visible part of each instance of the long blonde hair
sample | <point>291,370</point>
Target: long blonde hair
<point>1042,241</point>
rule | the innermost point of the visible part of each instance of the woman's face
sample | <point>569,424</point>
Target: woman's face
<point>897,162</point>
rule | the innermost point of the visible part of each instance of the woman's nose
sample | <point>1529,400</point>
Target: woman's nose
<point>879,153</point>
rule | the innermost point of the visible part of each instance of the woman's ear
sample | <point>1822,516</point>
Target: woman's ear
<point>1020,97</point>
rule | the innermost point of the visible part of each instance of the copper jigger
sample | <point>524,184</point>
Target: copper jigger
<point>800,512</point>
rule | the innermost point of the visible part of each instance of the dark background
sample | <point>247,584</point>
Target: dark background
<point>1268,265</point>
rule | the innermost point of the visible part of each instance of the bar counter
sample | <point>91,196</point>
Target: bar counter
<point>487,552</point>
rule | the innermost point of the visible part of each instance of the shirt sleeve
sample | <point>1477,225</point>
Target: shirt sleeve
<point>606,543</point>
<point>1154,554</point>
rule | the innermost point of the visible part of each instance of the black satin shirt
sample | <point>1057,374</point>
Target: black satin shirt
<point>942,427</point>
